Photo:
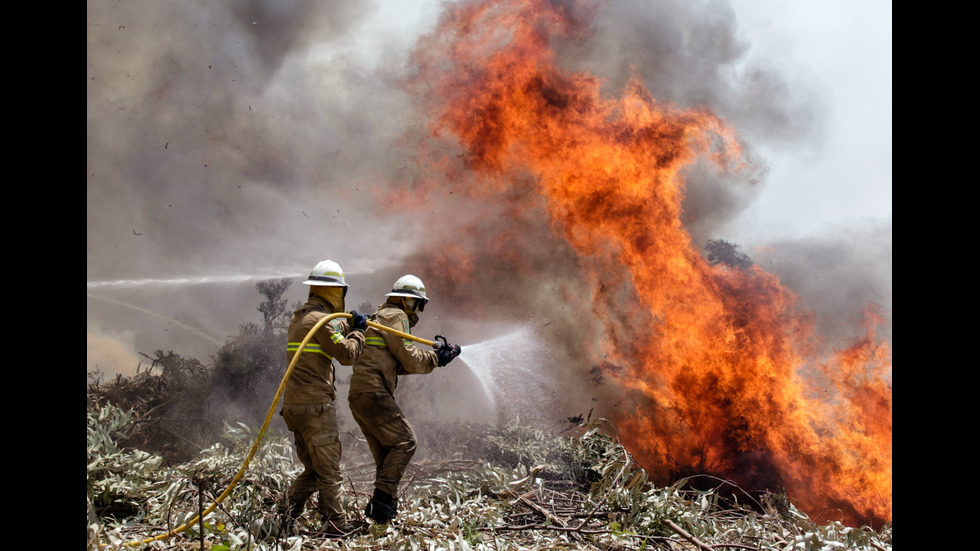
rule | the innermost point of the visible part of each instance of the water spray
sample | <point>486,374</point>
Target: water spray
<point>184,280</point>
<point>190,329</point>
<point>437,344</point>
<point>493,362</point>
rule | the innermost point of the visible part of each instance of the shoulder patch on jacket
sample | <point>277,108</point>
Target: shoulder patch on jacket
<point>336,325</point>
<point>405,326</point>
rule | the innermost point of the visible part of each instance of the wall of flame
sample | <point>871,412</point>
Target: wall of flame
<point>718,369</point>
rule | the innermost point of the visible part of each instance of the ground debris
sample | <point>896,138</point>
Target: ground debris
<point>472,488</point>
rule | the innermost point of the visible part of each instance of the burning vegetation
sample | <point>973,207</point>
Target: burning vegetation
<point>716,367</point>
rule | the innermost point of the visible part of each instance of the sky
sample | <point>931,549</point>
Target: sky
<point>842,51</point>
<point>230,142</point>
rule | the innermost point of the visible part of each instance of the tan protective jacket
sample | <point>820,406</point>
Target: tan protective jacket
<point>312,378</point>
<point>387,355</point>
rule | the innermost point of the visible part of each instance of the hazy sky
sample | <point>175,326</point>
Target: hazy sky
<point>843,52</point>
<point>236,139</point>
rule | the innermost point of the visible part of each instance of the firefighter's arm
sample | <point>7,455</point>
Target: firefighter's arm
<point>342,343</point>
<point>411,358</point>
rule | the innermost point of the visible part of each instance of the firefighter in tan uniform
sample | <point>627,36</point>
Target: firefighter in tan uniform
<point>372,385</point>
<point>308,398</point>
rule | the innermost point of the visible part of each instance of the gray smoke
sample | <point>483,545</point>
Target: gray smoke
<point>218,139</point>
<point>229,138</point>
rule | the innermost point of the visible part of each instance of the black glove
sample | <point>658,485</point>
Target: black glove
<point>446,353</point>
<point>358,322</point>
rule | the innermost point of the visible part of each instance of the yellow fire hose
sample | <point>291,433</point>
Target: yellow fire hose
<point>268,418</point>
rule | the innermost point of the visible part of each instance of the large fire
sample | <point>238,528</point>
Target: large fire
<point>723,368</point>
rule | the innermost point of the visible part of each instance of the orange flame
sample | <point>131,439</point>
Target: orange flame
<point>725,373</point>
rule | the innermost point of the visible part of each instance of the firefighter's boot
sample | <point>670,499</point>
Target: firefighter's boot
<point>382,507</point>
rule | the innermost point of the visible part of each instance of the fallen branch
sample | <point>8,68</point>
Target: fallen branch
<point>575,533</point>
<point>541,510</point>
<point>686,535</point>
<point>546,527</point>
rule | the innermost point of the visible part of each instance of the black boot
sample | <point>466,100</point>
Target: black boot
<point>382,507</point>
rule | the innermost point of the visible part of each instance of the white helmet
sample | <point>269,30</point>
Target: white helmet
<point>409,286</point>
<point>326,273</point>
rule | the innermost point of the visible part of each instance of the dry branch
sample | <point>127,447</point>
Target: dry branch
<point>687,535</point>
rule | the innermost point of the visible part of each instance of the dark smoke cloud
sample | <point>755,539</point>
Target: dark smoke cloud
<point>836,276</point>
<point>214,140</point>
<point>243,137</point>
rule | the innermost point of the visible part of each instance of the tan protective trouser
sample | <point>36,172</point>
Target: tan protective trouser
<point>389,436</point>
<point>314,428</point>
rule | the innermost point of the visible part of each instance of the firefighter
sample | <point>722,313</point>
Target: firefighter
<point>371,398</point>
<point>308,398</point>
